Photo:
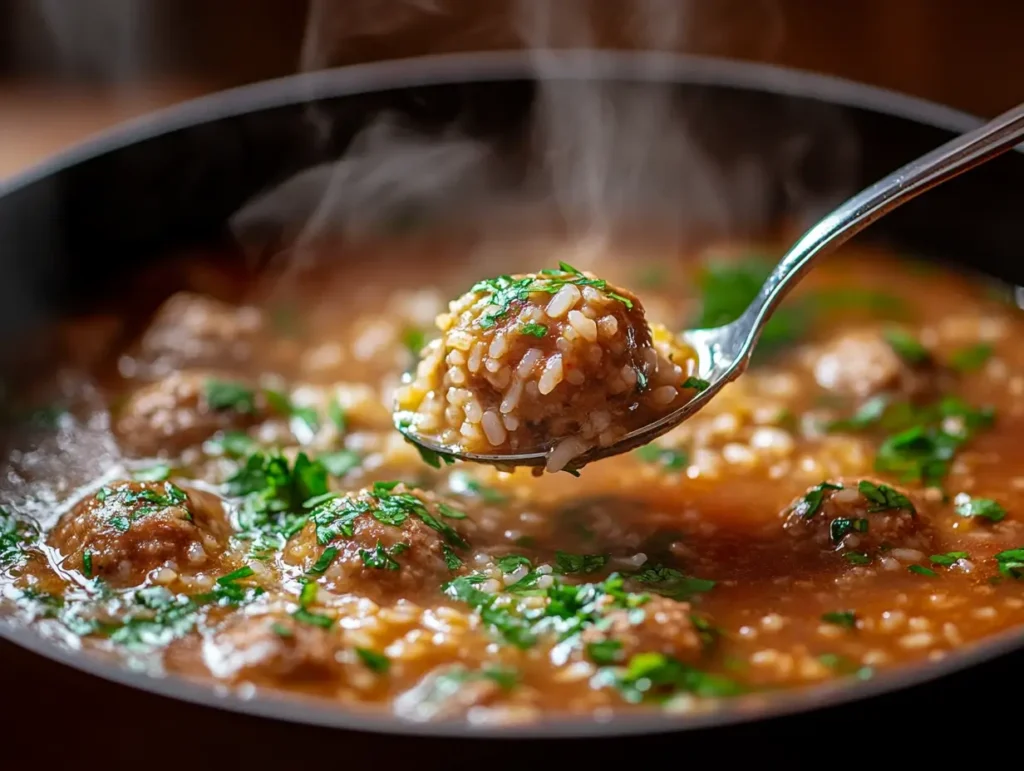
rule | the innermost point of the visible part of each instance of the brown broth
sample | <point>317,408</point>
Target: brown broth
<point>707,501</point>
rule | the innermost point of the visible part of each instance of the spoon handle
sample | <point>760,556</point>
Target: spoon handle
<point>849,218</point>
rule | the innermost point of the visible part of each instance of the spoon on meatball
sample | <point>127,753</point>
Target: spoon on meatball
<point>558,369</point>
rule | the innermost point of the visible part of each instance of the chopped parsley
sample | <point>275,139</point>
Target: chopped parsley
<point>449,512</point>
<point>451,560</point>
<point>375,662</point>
<point>234,444</point>
<point>567,609</point>
<point>533,330</point>
<point>906,346</point>
<point>15,537</point>
<point>985,508</point>
<point>673,460</point>
<point>381,558</point>
<point>605,652</point>
<point>840,527</point>
<point>1011,562</point>
<point>884,498</point>
<point>432,458</point>
<point>570,564</point>
<point>323,562</point>
<point>273,492</point>
<point>151,502</point>
<point>949,558</point>
<point>158,473</point>
<point>510,562</point>
<point>283,405</point>
<point>506,291</point>
<point>697,383</point>
<point>856,558</point>
<point>921,441</point>
<point>336,414</point>
<point>414,338</point>
<point>340,462</point>
<point>844,666</point>
<point>672,583</point>
<point>921,570</point>
<point>228,395</point>
<point>657,677</point>
<point>843,618</point>
<point>87,563</point>
<point>306,598</point>
<point>971,358</point>
<point>809,505</point>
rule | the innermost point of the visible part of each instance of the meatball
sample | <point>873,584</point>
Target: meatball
<point>387,543</point>
<point>129,529</point>
<point>198,331</point>
<point>859,518</point>
<point>183,410</point>
<point>272,648</point>
<point>556,361</point>
<point>660,625</point>
<point>864,363</point>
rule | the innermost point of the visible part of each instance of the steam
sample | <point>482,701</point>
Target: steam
<point>599,154</point>
<point>93,38</point>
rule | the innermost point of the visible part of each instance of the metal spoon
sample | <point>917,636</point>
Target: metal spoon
<point>724,352</point>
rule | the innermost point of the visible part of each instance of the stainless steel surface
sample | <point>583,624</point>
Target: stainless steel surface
<point>723,353</point>
<point>249,101</point>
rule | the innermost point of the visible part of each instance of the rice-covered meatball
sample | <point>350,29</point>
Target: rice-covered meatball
<point>194,330</point>
<point>557,361</point>
<point>271,648</point>
<point>865,517</point>
<point>660,625</point>
<point>387,543</point>
<point>866,363</point>
<point>183,410</point>
<point>128,529</point>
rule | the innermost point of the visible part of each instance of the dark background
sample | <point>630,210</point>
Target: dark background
<point>967,54</point>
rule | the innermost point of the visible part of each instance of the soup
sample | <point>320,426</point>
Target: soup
<point>218,492</point>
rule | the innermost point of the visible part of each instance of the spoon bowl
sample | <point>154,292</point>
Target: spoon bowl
<point>723,353</point>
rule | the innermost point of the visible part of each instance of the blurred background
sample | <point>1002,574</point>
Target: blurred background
<point>69,68</point>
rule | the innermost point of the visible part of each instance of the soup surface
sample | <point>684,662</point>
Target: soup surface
<point>218,492</point>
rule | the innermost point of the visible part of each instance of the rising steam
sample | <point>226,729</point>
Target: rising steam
<point>598,154</point>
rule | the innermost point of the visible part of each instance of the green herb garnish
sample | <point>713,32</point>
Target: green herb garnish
<point>533,330</point>
<point>1011,562</point>
<point>812,500</point>
<point>376,662</point>
<point>673,460</point>
<point>949,558</point>
<point>157,473</point>
<point>971,358</point>
<point>985,508</point>
<point>921,570</point>
<point>843,618</point>
<point>226,395</point>
<point>570,564</point>
<point>671,583</point>
<point>884,498</point>
<point>696,383</point>
<point>379,558</point>
<point>906,346</point>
